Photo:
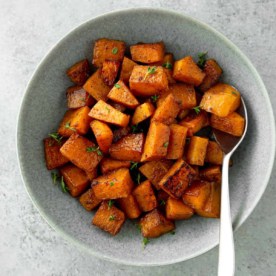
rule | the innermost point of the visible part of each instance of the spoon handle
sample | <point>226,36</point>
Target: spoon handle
<point>226,265</point>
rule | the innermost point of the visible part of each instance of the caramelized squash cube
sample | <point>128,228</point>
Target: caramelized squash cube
<point>154,224</point>
<point>75,179</point>
<point>221,100</point>
<point>183,113</point>
<point>121,94</point>
<point>96,87</point>
<point>130,207</point>
<point>157,142</point>
<point>79,72</point>
<point>142,112</point>
<point>126,70</point>
<point>176,209</point>
<point>147,81</point>
<point>92,174</point>
<point>77,97</point>
<point>108,49</point>
<point>109,71</point>
<point>116,184</point>
<point>109,219</point>
<point>75,149</point>
<point>212,174</point>
<point>103,135</point>
<point>197,150</point>
<point>89,201</point>
<point>214,153</point>
<point>232,124</point>
<point>108,165</point>
<point>177,179</point>
<point>106,113</point>
<point>145,196</point>
<point>186,70</point>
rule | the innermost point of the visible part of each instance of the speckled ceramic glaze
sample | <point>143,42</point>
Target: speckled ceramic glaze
<point>45,102</point>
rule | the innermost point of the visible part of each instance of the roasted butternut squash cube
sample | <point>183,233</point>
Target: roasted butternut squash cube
<point>89,201</point>
<point>186,70</point>
<point>75,179</point>
<point>109,219</point>
<point>77,97</point>
<point>177,179</point>
<point>75,121</point>
<point>214,153</point>
<point>103,135</point>
<point>176,209</point>
<point>116,184</point>
<point>155,170</point>
<point>128,148</point>
<point>126,70</point>
<point>108,49</point>
<point>148,52</point>
<point>232,124</point>
<point>120,133</point>
<point>53,157</point>
<point>197,150</point>
<point>195,122</point>
<point>109,71</point>
<point>142,112</point>
<point>183,93</point>
<point>121,94</point>
<point>197,194</point>
<point>177,141</point>
<point>130,206</point>
<point>212,74</point>
<point>211,208</point>
<point>76,149</point>
<point>212,174</point>
<point>96,87</point>
<point>107,113</point>
<point>154,224</point>
<point>108,165</point>
<point>167,111</point>
<point>157,142</point>
<point>221,99</point>
<point>79,72</point>
<point>145,196</point>
<point>148,80</point>
<point>92,174</point>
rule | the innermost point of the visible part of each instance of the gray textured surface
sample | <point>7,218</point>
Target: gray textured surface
<point>29,29</point>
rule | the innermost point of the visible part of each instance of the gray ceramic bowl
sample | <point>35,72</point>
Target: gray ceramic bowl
<point>44,104</point>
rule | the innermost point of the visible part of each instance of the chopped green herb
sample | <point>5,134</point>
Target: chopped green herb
<point>162,202</point>
<point>138,178</point>
<point>151,70</point>
<point>134,165</point>
<point>202,59</point>
<point>145,242</point>
<point>136,129</point>
<point>167,65</point>
<point>172,232</point>
<point>56,137</point>
<point>67,126</point>
<point>111,183</point>
<point>117,85</point>
<point>234,93</point>
<point>139,226</point>
<point>114,50</point>
<point>165,145</point>
<point>94,149</point>
<point>63,186</point>
<point>154,98</point>
<point>108,109</point>
<point>83,100</point>
<point>197,109</point>
<point>112,217</point>
<point>110,203</point>
<point>54,177</point>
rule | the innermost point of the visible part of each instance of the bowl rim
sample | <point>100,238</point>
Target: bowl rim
<point>208,28</point>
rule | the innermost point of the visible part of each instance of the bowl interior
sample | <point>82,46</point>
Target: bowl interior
<point>44,105</point>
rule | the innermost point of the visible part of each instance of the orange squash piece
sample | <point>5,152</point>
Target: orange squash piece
<point>176,209</point>
<point>148,80</point>
<point>106,113</point>
<point>183,113</point>
<point>186,70</point>
<point>116,184</point>
<point>77,97</point>
<point>130,206</point>
<point>121,94</point>
<point>221,100</point>
<point>109,219</point>
<point>92,174</point>
<point>212,174</point>
<point>89,201</point>
<point>76,150</point>
<point>103,135</point>
<point>126,70</point>
<point>214,153</point>
<point>142,112</point>
<point>197,150</point>
<point>108,49</point>
<point>120,133</point>
<point>109,71</point>
<point>108,165</point>
<point>79,72</point>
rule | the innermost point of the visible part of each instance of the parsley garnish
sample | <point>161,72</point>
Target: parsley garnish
<point>56,137</point>
<point>112,217</point>
<point>110,203</point>
<point>167,65</point>
<point>172,232</point>
<point>139,226</point>
<point>151,70</point>
<point>234,93</point>
<point>117,85</point>
<point>94,149</point>
<point>63,186</point>
<point>108,109</point>
<point>165,145</point>
<point>154,98</point>
<point>114,50</point>
<point>201,59</point>
<point>138,178</point>
<point>83,100</point>
<point>136,129</point>
<point>54,177</point>
<point>67,126</point>
<point>197,109</point>
<point>111,183</point>
<point>162,202</point>
<point>134,165</point>
<point>145,242</point>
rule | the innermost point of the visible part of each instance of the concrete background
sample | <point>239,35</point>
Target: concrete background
<point>28,246</point>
